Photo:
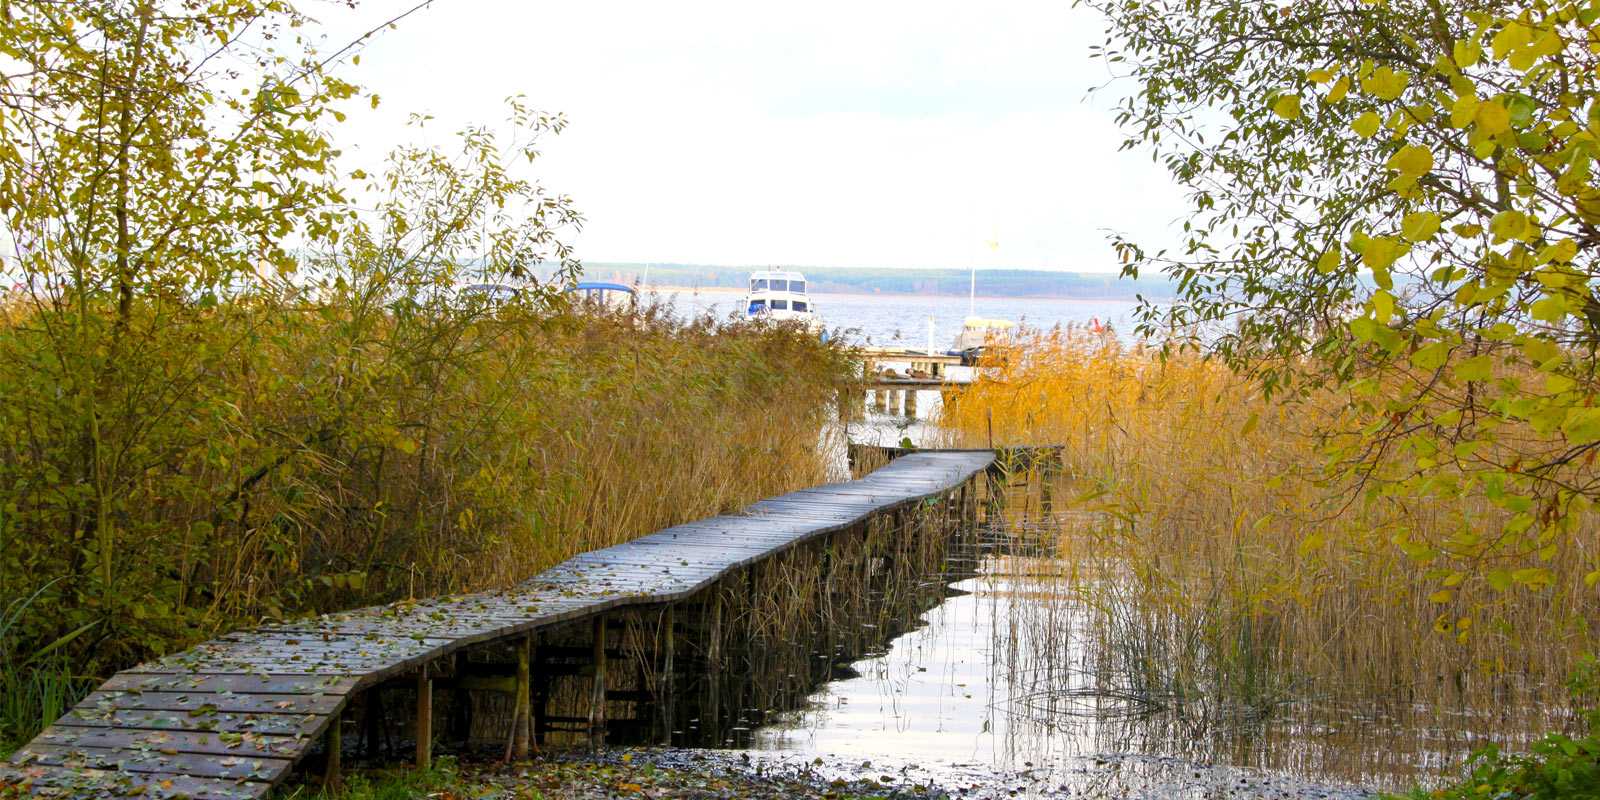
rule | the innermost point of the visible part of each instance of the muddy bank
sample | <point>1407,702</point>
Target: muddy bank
<point>687,774</point>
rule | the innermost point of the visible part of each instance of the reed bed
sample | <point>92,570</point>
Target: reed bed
<point>1230,574</point>
<point>281,455</point>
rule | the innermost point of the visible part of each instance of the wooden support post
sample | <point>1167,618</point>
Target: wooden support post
<point>524,702</point>
<point>911,402</point>
<point>331,777</point>
<point>667,701</point>
<point>597,695</point>
<point>883,400</point>
<point>424,717</point>
<point>711,717</point>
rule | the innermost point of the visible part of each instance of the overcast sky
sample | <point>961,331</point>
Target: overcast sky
<point>835,134</point>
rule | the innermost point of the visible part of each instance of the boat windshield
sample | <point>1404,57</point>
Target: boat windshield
<point>799,305</point>
<point>798,287</point>
<point>780,285</point>
<point>758,284</point>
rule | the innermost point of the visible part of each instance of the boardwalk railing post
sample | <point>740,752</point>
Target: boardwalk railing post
<point>667,702</point>
<point>597,695</point>
<point>424,717</point>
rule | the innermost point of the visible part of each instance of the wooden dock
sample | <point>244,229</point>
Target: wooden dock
<point>932,363</point>
<point>232,717</point>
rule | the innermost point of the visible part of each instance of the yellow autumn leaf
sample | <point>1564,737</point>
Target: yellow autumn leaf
<point>1366,125</point>
<point>1561,252</point>
<point>1466,53</point>
<point>1493,118</point>
<point>1420,226</point>
<point>1340,88</point>
<point>1312,544</point>
<point>1512,36</point>
<point>1413,159</point>
<point>1319,76</point>
<point>1385,83</point>
<point>1464,111</point>
<point>1379,253</point>
<point>1508,225</point>
<point>1287,106</point>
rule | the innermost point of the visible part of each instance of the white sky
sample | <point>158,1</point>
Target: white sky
<point>816,134</point>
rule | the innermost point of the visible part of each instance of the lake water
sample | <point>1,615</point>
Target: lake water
<point>999,691</point>
<point>900,321</point>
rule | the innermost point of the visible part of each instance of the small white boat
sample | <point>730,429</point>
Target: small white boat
<point>780,296</point>
<point>977,333</point>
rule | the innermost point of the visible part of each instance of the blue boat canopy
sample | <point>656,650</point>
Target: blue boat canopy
<point>588,285</point>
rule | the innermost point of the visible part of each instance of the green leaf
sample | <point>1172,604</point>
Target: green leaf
<point>1431,357</point>
<point>1582,425</point>
<point>1477,368</point>
<point>1382,306</point>
<point>1499,579</point>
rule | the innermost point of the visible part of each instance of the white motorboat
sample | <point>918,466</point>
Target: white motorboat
<point>780,296</point>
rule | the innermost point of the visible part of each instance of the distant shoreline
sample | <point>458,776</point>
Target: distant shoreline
<point>737,290</point>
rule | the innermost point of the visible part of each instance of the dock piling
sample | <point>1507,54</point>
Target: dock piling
<point>424,717</point>
<point>597,694</point>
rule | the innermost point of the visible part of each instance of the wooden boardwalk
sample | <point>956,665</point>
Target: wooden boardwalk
<point>230,718</point>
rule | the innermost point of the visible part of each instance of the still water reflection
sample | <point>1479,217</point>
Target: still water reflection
<point>1004,687</point>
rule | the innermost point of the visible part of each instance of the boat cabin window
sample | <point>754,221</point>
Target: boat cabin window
<point>757,306</point>
<point>780,284</point>
<point>758,284</point>
<point>799,305</point>
<point>780,305</point>
<point>797,286</point>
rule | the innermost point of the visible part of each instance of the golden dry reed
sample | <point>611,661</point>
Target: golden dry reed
<point>1224,564</point>
<point>273,456</point>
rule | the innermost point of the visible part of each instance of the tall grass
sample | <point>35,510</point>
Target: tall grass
<point>1229,569</point>
<point>282,454</point>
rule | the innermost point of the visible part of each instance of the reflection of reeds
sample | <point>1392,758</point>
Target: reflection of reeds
<point>1230,579</point>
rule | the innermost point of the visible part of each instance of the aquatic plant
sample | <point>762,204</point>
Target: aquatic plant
<point>1230,568</point>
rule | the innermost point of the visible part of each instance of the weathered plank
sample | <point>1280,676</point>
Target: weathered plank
<point>256,684</point>
<point>45,780</point>
<point>214,743</point>
<point>233,702</point>
<point>215,722</point>
<point>167,761</point>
